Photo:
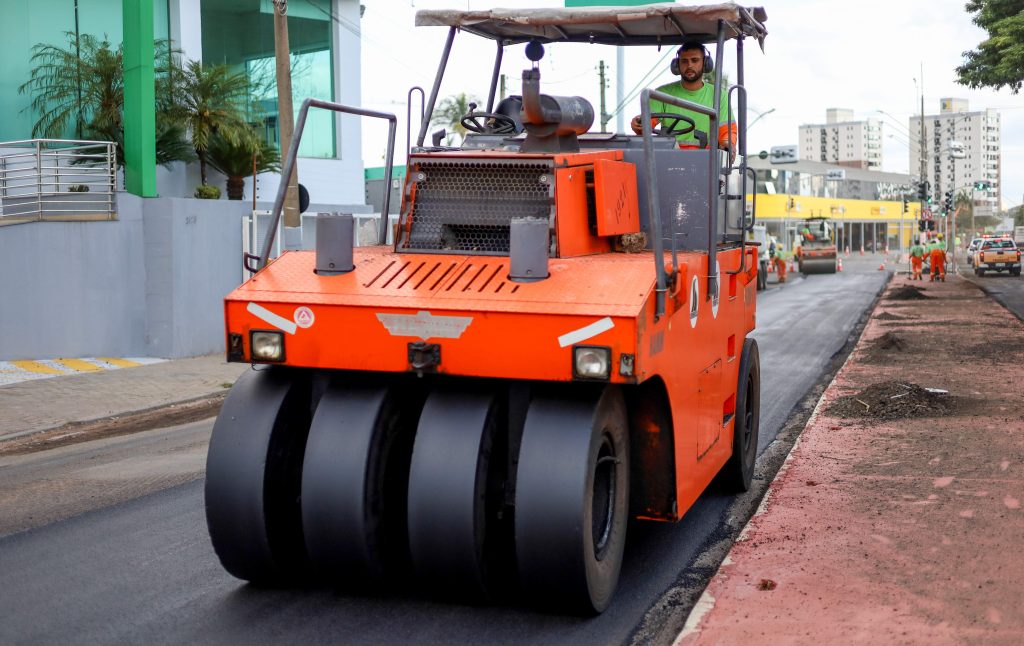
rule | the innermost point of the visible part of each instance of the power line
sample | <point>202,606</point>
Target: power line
<point>347,24</point>
<point>632,93</point>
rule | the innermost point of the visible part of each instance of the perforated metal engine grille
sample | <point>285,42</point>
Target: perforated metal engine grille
<point>467,206</point>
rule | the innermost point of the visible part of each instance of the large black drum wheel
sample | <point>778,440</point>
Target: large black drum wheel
<point>454,498</point>
<point>739,471</point>
<point>572,499</point>
<point>253,476</point>
<point>354,483</point>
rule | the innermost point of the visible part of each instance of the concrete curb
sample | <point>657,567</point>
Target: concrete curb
<point>160,416</point>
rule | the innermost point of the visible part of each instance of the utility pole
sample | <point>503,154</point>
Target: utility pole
<point>604,115</point>
<point>924,163</point>
<point>285,118</point>
<point>620,87</point>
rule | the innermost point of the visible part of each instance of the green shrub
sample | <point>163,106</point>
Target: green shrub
<point>207,192</point>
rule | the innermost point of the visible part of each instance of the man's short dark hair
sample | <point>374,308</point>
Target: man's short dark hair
<point>691,44</point>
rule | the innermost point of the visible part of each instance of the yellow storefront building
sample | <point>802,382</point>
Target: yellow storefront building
<point>869,210</point>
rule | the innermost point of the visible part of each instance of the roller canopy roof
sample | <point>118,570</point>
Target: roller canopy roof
<point>656,24</point>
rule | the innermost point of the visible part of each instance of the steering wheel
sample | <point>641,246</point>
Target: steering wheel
<point>673,124</point>
<point>489,123</point>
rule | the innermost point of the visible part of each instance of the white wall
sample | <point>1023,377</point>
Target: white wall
<point>150,283</point>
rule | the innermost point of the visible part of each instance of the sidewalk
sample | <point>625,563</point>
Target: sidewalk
<point>30,407</point>
<point>897,517</point>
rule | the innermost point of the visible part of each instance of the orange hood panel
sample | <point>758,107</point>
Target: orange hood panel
<point>603,285</point>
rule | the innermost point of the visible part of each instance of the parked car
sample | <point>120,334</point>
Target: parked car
<point>971,248</point>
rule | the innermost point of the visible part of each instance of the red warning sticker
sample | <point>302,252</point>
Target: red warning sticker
<point>304,317</point>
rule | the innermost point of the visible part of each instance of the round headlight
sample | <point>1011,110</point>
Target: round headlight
<point>592,363</point>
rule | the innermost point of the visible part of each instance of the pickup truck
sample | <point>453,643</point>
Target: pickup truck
<point>997,254</point>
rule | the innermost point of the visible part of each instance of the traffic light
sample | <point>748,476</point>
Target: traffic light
<point>982,185</point>
<point>921,226</point>
<point>948,202</point>
<point>931,225</point>
<point>922,191</point>
<point>905,209</point>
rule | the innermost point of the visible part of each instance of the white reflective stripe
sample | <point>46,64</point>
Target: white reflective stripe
<point>264,314</point>
<point>587,332</point>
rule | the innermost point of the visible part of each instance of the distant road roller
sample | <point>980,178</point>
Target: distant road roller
<point>817,251</point>
<point>555,340</point>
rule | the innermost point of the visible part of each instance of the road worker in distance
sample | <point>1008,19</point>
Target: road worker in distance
<point>917,252</point>
<point>937,258</point>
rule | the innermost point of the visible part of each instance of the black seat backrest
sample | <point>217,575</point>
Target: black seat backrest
<point>512,107</point>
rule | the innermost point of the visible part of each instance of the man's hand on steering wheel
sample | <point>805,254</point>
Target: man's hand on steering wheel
<point>671,124</point>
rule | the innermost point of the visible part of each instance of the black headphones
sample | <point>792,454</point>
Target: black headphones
<point>709,63</point>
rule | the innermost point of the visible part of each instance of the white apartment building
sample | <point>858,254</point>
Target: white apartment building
<point>961,148</point>
<point>842,140</point>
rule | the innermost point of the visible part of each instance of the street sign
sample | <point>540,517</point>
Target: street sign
<point>835,174</point>
<point>926,214</point>
<point>784,154</point>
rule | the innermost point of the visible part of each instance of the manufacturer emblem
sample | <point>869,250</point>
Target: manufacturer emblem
<point>424,325</point>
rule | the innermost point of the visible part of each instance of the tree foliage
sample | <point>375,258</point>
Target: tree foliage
<point>236,160</point>
<point>78,89</point>
<point>999,60</point>
<point>212,100</point>
<point>450,112</point>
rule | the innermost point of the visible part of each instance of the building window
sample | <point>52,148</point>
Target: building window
<point>27,24</point>
<point>240,34</point>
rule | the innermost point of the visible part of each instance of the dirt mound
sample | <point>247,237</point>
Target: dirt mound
<point>889,316</point>
<point>907,293</point>
<point>892,347</point>
<point>890,341</point>
<point>893,400</point>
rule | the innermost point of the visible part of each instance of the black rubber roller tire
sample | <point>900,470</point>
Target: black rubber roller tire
<point>572,499</point>
<point>739,471</point>
<point>451,508</point>
<point>253,476</point>
<point>354,483</point>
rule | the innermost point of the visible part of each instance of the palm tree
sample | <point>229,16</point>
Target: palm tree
<point>82,86</point>
<point>450,112</point>
<point>79,84</point>
<point>212,100</point>
<point>237,160</point>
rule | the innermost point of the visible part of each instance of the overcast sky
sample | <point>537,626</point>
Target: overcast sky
<point>864,55</point>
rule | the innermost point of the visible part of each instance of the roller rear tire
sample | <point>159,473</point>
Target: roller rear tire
<point>739,470</point>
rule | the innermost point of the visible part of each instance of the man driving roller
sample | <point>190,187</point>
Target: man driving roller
<point>691,64</point>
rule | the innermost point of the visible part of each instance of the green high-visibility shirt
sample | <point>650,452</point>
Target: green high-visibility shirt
<point>704,96</point>
<point>917,251</point>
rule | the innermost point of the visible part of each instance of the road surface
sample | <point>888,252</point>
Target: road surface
<point>119,552</point>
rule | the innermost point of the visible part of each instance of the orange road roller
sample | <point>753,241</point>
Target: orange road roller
<point>554,341</point>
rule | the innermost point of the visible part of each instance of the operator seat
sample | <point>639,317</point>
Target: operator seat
<point>512,107</point>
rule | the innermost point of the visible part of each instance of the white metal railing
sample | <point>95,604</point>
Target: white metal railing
<point>57,179</point>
